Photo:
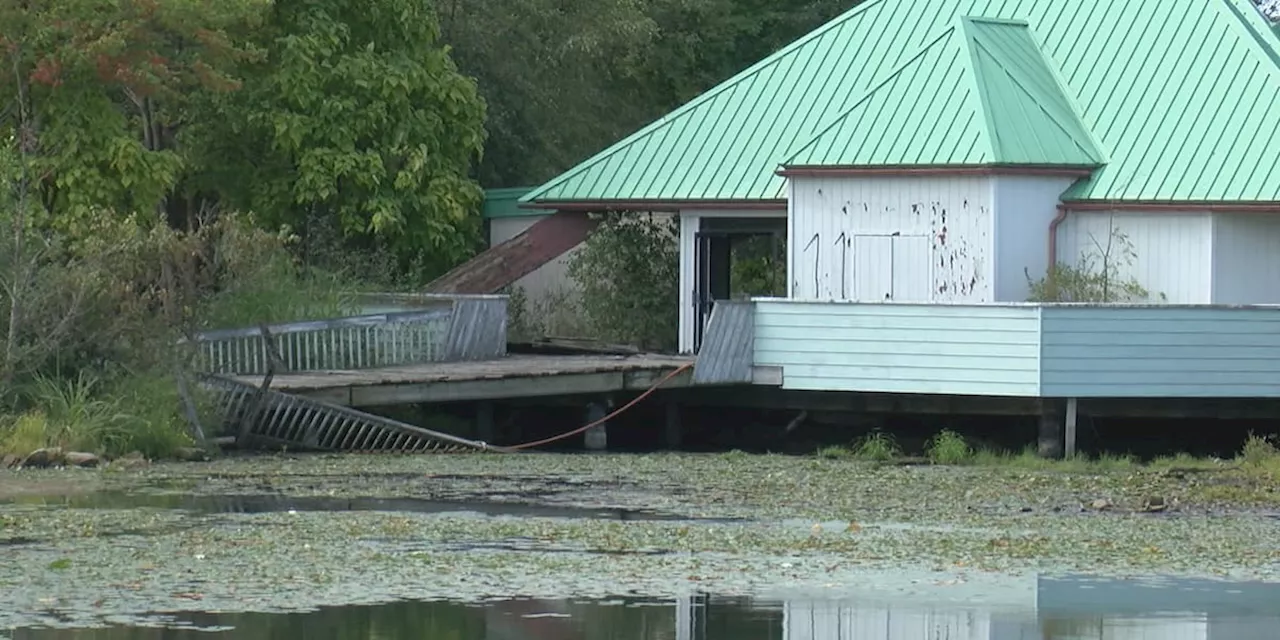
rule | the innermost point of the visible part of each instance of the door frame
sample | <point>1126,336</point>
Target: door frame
<point>691,225</point>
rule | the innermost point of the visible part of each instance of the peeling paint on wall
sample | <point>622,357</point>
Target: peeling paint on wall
<point>899,238</point>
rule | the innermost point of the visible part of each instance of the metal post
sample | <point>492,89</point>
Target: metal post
<point>675,435</point>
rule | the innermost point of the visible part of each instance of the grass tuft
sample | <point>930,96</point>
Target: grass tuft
<point>948,447</point>
<point>877,446</point>
<point>1259,451</point>
<point>834,452</point>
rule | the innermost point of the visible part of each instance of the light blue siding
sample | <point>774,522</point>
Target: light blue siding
<point>901,348</point>
<point>1118,352</point>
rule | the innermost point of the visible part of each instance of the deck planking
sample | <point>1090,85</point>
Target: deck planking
<point>515,376</point>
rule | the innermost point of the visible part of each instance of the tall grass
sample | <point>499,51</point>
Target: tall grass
<point>91,366</point>
<point>948,447</point>
<point>877,446</point>
<point>138,413</point>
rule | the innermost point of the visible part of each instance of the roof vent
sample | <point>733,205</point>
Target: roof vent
<point>1270,9</point>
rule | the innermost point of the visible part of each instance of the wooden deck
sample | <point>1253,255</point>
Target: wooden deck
<point>517,376</point>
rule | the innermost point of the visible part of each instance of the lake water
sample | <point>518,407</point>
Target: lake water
<point>1066,608</point>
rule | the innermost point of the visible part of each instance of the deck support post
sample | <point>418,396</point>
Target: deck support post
<point>675,431</point>
<point>597,438</point>
<point>485,428</point>
<point>1049,443</point>
<point>1072,406</point>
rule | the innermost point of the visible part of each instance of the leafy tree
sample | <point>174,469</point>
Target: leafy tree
<point>550,73</point>
<point>356,118</point>
<point>565,78</point>
<point>105,85</point>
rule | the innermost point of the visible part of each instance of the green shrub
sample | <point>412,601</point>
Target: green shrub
<point>137,413</point>
<point>948,447</point>
<point>628,274</point>
<point>877,446</point>
<point>1259,451</point>
<point>89,329</point>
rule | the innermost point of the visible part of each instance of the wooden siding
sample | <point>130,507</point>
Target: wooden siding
<point>900,348</point>
<point>1172,250</point>
<point>1118,352</point>
<point>918,238</point>
<point>1246,259</point>
<point>1024,207</point>
<point>1022,350</point>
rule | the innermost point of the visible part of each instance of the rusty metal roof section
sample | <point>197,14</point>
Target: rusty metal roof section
<point>502,265</point>
<point>1185,108</point>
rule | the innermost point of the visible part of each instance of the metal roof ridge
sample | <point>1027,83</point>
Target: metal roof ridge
<point>884,80</point>
<point>706,96</point>
<point>968,44</point>
<point>972,43</point>
<point>1271,47</point>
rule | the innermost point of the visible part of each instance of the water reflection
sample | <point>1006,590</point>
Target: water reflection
<point>1067,608</point>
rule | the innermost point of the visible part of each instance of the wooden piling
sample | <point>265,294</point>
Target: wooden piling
<point>1049,443</point>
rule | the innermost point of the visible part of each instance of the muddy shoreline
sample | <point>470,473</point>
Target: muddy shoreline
<point>294,532</point>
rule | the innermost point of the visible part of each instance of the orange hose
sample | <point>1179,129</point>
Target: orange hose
<point>667,378</point>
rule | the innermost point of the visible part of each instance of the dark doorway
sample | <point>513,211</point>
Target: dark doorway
<point>737,258</point>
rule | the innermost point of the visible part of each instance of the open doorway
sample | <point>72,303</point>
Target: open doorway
<point>737,259</point>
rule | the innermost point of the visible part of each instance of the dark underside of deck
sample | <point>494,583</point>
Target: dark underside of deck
<point>517,376</point>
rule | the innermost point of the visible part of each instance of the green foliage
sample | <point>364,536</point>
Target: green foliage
<point>604,68</point>
<point>628,276</point>
<point>1259,451</point>
<point>948,447</point>
<point>104,86</point>
<point>167,109</point>
<point>93,342</point>
<point>356,117</point>
<point>259,281</point>
<point>758,267</point>
<point>877,446</point>
<point>77,414</point>
<point>1098,276</point>
<point>556,314</point>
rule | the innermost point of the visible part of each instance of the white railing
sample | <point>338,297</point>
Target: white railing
<point>358,342</point>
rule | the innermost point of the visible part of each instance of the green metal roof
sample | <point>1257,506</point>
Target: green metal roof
<point>1185,108</point>
<point>505,203</point>
<point>980,94</point>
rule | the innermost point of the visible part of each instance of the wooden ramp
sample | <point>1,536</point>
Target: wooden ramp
<point>505,263</point>
<point>240,365</point>
<point>271,419</point>
<point>302,384</point>
<point>508,377</point>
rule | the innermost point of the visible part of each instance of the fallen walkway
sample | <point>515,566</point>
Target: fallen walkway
<point>508,377</point>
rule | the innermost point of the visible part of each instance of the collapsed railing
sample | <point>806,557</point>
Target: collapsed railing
<point>459,328</point>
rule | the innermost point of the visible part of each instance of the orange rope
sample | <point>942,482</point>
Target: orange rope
<point>667,378</point>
